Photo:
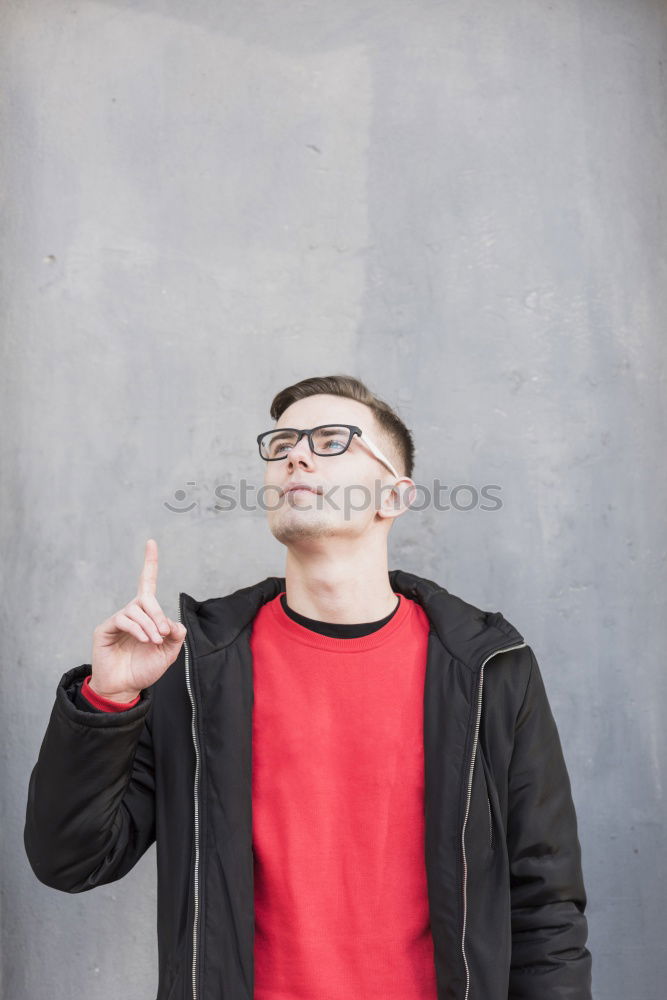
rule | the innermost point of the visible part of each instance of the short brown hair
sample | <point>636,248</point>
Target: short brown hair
<point>352,388</point>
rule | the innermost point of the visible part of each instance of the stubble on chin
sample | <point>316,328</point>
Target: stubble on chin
<point>289,527</point>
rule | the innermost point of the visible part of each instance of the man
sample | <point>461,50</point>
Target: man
<point>353,777</point>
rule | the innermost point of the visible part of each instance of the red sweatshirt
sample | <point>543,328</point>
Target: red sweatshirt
<point>341,905</point>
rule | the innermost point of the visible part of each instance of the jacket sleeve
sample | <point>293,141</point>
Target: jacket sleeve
<point>90,813</point>
<point>550,960</point>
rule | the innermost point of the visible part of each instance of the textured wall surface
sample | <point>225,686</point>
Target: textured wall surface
<point>462,204</point>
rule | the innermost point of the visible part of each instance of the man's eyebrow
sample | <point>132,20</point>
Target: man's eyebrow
<point>326,429</point>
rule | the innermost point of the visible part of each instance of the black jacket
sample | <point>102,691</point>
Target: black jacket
<point>503,860</point>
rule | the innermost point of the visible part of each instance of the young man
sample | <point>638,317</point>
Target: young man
<point>353,777</point>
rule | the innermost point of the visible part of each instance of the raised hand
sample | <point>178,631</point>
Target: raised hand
<point>136,645</point>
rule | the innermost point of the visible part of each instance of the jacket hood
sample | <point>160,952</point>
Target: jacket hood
<point>467,632</point>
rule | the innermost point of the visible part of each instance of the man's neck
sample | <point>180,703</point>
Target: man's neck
<point>334,590</point>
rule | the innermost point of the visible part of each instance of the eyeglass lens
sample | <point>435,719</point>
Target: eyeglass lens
<point>329,440</point>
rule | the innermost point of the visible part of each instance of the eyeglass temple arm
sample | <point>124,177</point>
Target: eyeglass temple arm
<point>378,454</point>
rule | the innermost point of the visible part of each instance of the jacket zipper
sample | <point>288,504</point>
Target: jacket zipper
<point>465,819</point>
<point>195,923</point>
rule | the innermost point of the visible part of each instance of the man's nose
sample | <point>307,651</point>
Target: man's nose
<point>300,451</point>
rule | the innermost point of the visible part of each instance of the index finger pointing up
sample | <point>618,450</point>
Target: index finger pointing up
<point>148,577</point>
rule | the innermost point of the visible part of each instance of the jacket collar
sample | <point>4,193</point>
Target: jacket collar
<point>468,633</point>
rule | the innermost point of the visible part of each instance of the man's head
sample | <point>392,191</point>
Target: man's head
<point>358,496</point>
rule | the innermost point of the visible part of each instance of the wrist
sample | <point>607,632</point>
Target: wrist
<point>117,696</point>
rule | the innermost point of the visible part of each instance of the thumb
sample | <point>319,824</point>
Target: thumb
<point>177,633</point>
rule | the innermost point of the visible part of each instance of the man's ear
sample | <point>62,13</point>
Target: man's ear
<point>404,492</point>
<point>407,492</point>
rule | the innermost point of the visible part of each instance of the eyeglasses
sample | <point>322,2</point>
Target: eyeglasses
<point>325,440</point>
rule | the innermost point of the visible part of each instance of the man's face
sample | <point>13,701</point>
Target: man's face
<point>353,485</point>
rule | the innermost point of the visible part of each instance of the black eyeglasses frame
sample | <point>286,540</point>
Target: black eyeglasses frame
<point>309,432</point>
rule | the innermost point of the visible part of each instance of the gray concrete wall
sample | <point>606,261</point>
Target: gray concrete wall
<point>463,204</point>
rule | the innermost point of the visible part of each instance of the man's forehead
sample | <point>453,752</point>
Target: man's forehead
<point>327,409</point>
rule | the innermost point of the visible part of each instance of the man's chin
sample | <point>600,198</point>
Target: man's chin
<point>300,528</point>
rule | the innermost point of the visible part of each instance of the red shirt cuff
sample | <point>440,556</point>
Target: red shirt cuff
<point>105,704</point>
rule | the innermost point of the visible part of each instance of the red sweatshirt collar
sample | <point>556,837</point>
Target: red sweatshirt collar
<point>306,636</point>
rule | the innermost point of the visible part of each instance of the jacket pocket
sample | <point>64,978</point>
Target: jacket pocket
<point>488,794</point>
<point>488,802</point>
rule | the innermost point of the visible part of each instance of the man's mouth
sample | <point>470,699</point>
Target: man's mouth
<point>300,488</point>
